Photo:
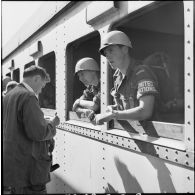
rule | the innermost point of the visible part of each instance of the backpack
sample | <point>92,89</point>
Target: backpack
<point>157,65</point>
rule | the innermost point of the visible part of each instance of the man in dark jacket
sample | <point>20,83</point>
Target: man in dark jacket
<point>26,163</point>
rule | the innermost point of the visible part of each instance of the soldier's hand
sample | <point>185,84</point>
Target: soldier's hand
<point>91,115</point>
<point>110,108</point>
<point>75,105</point>
<point>101,118</point>
<point>88,113</point>
<point>56,120</point>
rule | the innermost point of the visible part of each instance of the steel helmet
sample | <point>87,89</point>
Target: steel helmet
<point>86,64</point>
<point>114,37</point>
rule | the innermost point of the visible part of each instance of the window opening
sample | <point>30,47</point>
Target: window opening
<point>47,97</point>
<point>29,64</point>
<point>8,74</point>
<point>16,75</point>
<point>160,29</point>
<point>84,47</point>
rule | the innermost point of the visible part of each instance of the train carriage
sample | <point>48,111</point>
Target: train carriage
<point>118,156</point>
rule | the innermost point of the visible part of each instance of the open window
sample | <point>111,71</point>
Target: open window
<point>16,75</point>
<point>159,27</point>
<point>47,98</point>
<point>8,74</point>
<point>29,64</point>
<point>86,46</point>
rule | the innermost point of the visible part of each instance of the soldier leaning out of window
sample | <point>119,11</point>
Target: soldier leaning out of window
<point>88,104</point>
<point>135,89</point>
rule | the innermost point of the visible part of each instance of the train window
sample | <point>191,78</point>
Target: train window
<point>8,74</point>
<point>86,46</point>
<point>29,64</point>
<point>16,75</point>
<point>161,28</point>
<point>47,98</point>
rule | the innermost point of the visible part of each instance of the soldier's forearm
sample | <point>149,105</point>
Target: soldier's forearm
<point>88,104</point>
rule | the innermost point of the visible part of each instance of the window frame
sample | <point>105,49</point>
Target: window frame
<point>70,66</point>
<point>29,64</point>
<point>14,73</point>
<point>162,129</point>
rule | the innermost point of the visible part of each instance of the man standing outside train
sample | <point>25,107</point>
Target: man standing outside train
<point>135,89</point>
<point>88,72</point>
<point>26,163</point>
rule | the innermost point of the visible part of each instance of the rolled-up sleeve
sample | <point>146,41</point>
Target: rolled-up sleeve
<point>146,84</point>
<point>35,126</point>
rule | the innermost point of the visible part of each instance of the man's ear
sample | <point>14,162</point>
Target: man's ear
<point>37,78</point>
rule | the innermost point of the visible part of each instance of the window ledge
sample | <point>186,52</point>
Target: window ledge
<point>176,144</point>
<point>166,142</point>
<point>84,124</point>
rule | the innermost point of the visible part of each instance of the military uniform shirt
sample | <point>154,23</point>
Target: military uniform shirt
<point>137,83</point>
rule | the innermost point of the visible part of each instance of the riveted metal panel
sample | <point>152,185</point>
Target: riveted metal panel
<point>104,79</point>
<point>99,9</point>
<point>76,26</point>
<point>81,165</point>
<point>60,46</point>
<point>132,172</point>
<point>48,40</point>
<point>189,73</point>
<point>92,161</point>
<point>172,154</point>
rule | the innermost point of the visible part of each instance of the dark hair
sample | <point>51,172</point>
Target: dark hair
<point>36,70</point>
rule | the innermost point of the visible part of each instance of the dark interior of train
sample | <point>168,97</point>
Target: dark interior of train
<point>16,75</point>
<point>47,98</point>
<point>161,29</point>
<point>29,64</point>
<point>8,74</point>
<point>87,46</point>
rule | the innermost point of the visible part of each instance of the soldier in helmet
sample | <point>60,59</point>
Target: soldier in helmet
<point>88,104</point>
<point>134,88</point>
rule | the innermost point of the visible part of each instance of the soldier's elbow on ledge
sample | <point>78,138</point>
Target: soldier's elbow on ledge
<point>95,107</point>
<point>144,114</point>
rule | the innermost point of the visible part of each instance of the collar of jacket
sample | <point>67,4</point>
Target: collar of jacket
<point>29,88</point>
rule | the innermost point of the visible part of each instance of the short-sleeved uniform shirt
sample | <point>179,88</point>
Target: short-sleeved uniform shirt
<point>92,93</point>
<point>137,83</point>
